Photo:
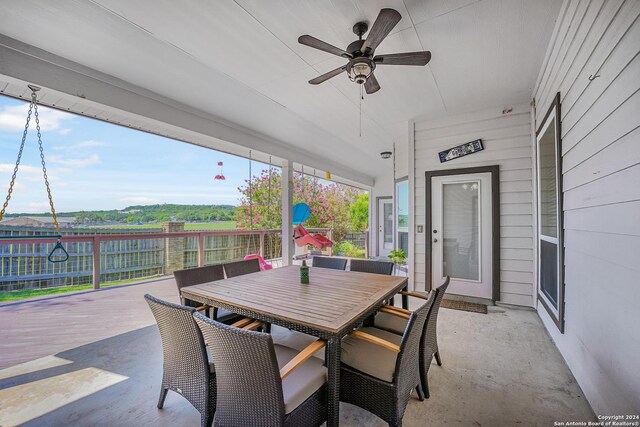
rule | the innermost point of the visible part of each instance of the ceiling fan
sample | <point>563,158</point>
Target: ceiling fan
<point>362,63</point>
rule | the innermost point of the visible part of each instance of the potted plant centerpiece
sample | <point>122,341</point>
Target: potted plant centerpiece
<point>398,257</point>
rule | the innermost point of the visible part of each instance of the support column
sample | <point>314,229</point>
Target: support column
<point>174,247</point>
<point>287,204</point>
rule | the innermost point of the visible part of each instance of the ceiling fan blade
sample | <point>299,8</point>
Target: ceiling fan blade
<point>327,76</point>
<point>386,20</point>
<point>371,85</point>
<point>407,58</point>
<point>320,45</point>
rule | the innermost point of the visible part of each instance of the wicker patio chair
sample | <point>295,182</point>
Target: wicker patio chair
<point>393,319</point>
<point>330,262</point>
<point>377,267</point>
<point>380,369</point>
<point>264,384</point>
<point>239,268</point>
<point>186,367</point>
<point>195,276</point>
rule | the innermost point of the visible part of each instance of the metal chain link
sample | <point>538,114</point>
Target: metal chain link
<point>15,169</point>
<point>33,106</point>
<point>44,166</point>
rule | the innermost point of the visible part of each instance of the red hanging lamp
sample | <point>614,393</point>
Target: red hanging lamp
<point>220,175</point>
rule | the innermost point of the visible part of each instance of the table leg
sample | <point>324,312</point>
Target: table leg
<point>333,383</point>
<point>405,299</point>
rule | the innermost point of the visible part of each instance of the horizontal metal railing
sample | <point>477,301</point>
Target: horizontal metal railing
<point>265,238</point>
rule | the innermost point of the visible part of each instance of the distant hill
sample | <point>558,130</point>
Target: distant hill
<point>148,214</point>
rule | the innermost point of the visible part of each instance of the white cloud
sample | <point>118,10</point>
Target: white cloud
<point>75,163</point>
<point>64,131</point>
<point>140,200</point>
<point>8,167</point>
<point>13,118</point>
<point>82,145</point>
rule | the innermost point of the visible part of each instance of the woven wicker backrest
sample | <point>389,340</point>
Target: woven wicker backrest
<point>239,268</point>
<point>407,372</point>
<point>430,333</point>
<point>195,276</point>
<point>182,343</point>
<point>377,267</point>
<point>247,375</point>
<point>329,262</point>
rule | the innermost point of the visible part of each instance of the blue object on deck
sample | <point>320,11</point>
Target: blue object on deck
<point>301,212</point>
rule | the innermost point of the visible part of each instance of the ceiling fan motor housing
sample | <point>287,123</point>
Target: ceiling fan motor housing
<point>359,69</point>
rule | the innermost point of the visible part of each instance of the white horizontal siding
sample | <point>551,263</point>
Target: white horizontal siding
<point>507,142</point>
<point>601,193</point>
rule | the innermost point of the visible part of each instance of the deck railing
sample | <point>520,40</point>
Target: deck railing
<point>147,254</point>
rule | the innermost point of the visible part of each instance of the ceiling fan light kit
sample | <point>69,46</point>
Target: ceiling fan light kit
<point>362,63</point>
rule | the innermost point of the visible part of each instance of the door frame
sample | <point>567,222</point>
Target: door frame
<point>378,222</point>
<point>495,218</point>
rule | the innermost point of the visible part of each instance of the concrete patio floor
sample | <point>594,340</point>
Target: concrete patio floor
<point>94,358</point>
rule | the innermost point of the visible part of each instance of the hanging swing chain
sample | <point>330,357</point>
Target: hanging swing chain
<point>15,169</point>
<point>33,106</point>
<point>269,199</point>
<point>44,166</point>
<point>250,195</point>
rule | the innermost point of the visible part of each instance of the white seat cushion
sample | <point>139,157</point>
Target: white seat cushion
<point>370,358</point>
<point>391,323</point>
<point>303,381</point>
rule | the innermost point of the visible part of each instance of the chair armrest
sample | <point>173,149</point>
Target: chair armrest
<point>252,326</point>
<point>396,311</point>
<point>375,340</point>
<point>414,294</point>
<point>301,357</point>
<point>202,307</point>
<point>242,322</point>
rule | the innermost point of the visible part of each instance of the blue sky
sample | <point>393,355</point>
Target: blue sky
<point>95,165</point>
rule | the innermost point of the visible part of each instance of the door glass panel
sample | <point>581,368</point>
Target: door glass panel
<point>402,216</point>
<point>548,197</point>
<point>460,230</point>
<point>388,223</point>
<point>549,271</point>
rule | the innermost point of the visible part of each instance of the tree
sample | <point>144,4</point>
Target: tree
<point>261,203</point>
<point>359,212</point>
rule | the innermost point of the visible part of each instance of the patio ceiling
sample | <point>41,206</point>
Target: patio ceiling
<point>239,61</point>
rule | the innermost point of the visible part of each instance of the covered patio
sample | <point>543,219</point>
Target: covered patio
<point>506,160</point>
<point>86,377</point>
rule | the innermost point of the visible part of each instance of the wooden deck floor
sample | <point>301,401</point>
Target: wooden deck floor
<point>33,329</point>
<point>95,359</point>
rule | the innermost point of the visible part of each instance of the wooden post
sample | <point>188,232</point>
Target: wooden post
<point>96,262</point>
<point>262,243</point>
<point>287,204</point>
<point>200,250</point>
<point>330,237</point>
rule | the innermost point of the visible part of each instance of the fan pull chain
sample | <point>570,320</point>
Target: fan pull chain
<point>361,98</point>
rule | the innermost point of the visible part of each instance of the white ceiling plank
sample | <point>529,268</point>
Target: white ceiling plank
<point>475,67</point>
<point>330,21</point>
<point>220,34</point>
<point>423,10</point>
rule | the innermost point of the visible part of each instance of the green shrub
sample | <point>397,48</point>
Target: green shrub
<point>348,249</point>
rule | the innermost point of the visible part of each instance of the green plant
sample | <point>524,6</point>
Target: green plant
<point>348,249</point>
<point>398,256</point>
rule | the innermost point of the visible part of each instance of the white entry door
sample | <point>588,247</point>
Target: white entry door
<point>385,226</point>
<point>461,234</point>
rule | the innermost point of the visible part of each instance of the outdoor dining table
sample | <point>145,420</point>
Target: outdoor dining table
<point>329,307</point>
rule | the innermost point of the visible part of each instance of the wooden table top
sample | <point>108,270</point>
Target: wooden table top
<point>331,301</point>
